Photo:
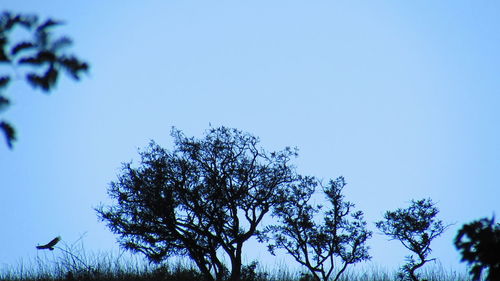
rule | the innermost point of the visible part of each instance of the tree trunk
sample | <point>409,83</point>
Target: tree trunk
<point>236,265</point>
<point>204,270</point>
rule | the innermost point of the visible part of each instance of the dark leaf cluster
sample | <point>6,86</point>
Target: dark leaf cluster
<point>479,244</point>
<point>42,55</point>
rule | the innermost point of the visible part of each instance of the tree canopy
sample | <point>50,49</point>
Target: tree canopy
<point>326,244</point>
<point>205,197</point>
<point>415,227</point>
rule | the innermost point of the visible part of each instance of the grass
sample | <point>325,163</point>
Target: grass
<point>74,263</point>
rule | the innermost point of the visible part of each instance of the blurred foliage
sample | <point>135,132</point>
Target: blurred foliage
<point>41,56</point>
<point>479,244</point>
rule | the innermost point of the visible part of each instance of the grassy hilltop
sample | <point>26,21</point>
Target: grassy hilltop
<point>74,263</point>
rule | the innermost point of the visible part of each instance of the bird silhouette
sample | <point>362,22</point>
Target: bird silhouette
<point>49,245</point>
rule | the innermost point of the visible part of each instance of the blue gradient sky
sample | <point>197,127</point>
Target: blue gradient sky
<point>400,98</point>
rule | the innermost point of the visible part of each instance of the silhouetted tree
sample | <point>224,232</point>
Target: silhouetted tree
<point>338,241</point>
<point>479,244</point>
<point>205,197</point>
<point>42,55</point>
<point>415,227</point>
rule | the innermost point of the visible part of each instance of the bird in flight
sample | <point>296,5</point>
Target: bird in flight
<point>49,245</point>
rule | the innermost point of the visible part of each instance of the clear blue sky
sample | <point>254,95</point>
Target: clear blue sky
<point>402,98</point>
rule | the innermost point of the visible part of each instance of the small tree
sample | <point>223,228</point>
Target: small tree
<point>333,244</point>
<point>415,227</point>
<point>42,54</point>
<point>479,244</point>
<point>205,197</point>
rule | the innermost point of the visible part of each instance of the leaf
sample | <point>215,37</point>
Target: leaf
<point>61,43</point>
<point>47,24</point>
<point>28,21</point>
<point>31,60</point>
<point>21,46</point>
<point>4,102</point>
<point>4,17</point>
<point>40,58</point>
<point>73,66</point>
<point>36,81</point>
<point>3,56</point>
<point>4,81</point>
<point>50,77</point>
<point>3,40</point>
<point>9,132</point>
<point>46,82</point>
<point>11,21</point>
<point>47,56</point>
